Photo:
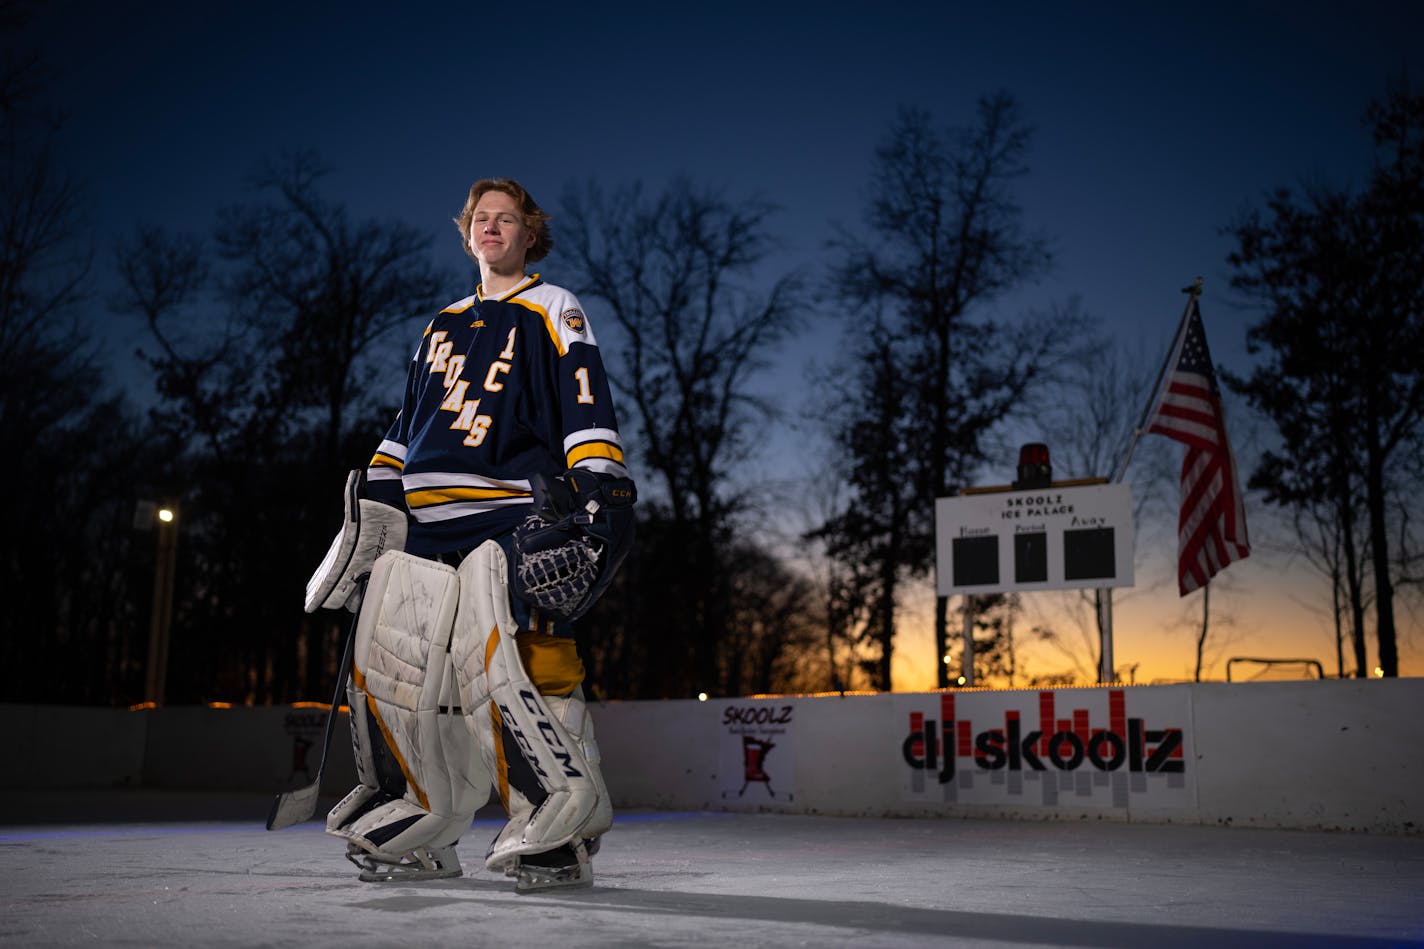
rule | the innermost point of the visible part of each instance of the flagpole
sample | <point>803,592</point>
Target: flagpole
<point>1193,292</point>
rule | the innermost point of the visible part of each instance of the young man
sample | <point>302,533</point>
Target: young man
<point>494,512</point>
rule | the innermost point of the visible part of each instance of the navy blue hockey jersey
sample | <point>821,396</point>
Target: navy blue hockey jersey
<point>498,389</point>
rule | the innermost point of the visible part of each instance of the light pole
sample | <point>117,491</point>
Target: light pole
<point>161,614</point>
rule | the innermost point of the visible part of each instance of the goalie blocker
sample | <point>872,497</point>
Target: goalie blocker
<point>368,529</point>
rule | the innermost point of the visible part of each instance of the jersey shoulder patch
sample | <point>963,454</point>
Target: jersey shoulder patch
<point>562,313</point>
<point>574,319</point>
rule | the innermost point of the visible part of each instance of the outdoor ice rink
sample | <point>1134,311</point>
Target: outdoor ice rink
<point>155,869</point>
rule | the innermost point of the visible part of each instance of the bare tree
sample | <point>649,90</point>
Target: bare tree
<point>1342,276</point>
<point>872,421</point>
<point>325,292</point>
<point>66,505</point>
<point>1089,416</point>
<point>845,614</point>
<point>996,640</point>
<point>1326,537</point>
<point>772,639</point>
<point>945,237</point>
<point>680,275</point>
<point>44,260</point>
<point>275,357</point>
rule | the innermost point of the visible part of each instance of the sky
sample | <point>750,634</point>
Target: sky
<point>1156,126</point>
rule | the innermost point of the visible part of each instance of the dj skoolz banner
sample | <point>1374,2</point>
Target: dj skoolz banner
<point>757,760</point>
<point>1062,747</point>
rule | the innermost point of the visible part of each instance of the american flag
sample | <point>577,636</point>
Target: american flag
<point>1211,529</point>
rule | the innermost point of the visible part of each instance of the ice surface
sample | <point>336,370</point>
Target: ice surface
<point>175,870</point>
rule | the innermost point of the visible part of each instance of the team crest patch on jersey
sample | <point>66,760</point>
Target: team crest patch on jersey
<point>573,319</point>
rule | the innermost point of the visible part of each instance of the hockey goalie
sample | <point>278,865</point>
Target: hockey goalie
<point>492,515</point>
<point>456,692</point>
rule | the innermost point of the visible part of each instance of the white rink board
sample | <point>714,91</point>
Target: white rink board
<point>1331,755</point>
<point>1080,748</point>
<point>1311,754</point>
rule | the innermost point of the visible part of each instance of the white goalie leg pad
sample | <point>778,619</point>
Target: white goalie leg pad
<point>406,685</point>
<point>363,750</point>
<point>572,712</point>
<point>497,694</point>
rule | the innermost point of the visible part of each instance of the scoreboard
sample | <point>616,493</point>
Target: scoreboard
<point>1053,538</point>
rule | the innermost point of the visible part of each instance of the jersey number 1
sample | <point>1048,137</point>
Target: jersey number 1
<point>585,396</point>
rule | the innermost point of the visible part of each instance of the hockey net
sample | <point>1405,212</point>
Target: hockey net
<point>1252,669</point>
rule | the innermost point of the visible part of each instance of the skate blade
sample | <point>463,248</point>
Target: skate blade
<point>395,874</point>
<point>380,871</point>
<point>530,879</point>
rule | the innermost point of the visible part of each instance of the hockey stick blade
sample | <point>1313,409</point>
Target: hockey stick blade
<point>299,805</point>
<point>294,807</point>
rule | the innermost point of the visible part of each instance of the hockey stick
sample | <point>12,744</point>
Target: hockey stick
<point>299,805</point>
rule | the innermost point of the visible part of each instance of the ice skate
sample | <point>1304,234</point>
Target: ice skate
<point>566,867</point>
<point>422,863</point>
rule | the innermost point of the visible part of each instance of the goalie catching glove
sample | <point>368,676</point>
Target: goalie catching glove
<point>566,553</point>
<point>368,530</point>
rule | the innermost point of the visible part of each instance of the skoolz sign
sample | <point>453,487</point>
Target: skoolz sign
<point>1082,747</point>
<point>757,758</point>
<point>1054,538</point>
